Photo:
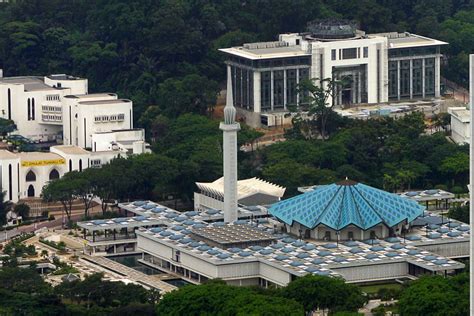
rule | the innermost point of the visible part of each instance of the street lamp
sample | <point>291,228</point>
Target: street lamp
<point>300,231</point>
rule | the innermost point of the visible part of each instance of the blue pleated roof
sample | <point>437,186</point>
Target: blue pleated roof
<point>346,203</point>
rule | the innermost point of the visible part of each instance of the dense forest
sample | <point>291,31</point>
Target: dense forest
<point>165,52</point>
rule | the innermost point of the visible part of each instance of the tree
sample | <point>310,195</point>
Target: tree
<point>64,191</point>
<point>460,213</point>
<point>436,295</point>
<point>5,207</point>
<point>316,104</point>
<point>456,166</point>
<point>22,210</point>
<point>217,298</point>
<point>83,187</point>
<point>324,293</point>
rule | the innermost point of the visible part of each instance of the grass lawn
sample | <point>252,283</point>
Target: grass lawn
<point>371,289</point>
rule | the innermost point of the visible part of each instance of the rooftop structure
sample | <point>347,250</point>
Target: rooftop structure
<point>253,191</point>
<point>230,236</point>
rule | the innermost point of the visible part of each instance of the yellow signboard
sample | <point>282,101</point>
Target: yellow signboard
<point>38,163</point>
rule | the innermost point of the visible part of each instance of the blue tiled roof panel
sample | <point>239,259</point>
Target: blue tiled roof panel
<point>340,205</point>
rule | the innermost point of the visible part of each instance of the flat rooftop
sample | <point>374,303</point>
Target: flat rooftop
<point>71,150</point>
<point>105,102</point>
<point>90,95</point>
<point>118,223</point>
<point>31,83</point>
<point>407,40</point>
<point>264,53</point>
<point>232,234</point>
<point>428,195</point>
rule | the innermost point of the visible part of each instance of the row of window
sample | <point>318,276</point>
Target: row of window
<point>31,176</point>
<point>401,79</point>
<point>276,99</point>
<point>350,53</point>
<point>95,163</point>
<point>49,108</point>
<point>110,118</point>
<point>52,117</point>
<point>52,97</point>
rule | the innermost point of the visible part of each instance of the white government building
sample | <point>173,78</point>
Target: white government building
<point>23,175</point>
<point>59,108</point>
<point>384,67</point>
<point>94,128</point>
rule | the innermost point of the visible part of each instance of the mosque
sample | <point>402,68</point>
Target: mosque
<point>346,210</point>
<point>344,229</point>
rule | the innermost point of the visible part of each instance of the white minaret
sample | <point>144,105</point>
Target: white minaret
<point>230,129</point>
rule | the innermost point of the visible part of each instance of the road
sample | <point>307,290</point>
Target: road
<point>57,222</point>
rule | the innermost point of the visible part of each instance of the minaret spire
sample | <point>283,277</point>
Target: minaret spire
<point>230,128</point>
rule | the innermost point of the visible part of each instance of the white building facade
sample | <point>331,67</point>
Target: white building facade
<point>59,108</point>
<point>23,175</point>
<point>378,68</point>
<point>460,124</point>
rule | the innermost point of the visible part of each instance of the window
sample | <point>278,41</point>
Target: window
<point>29,109</point>
<point>297,42</point>
<point>30,176</point>
<point>366,52</point>
<point>54,174</point>
<point>333,54</point>
<point>349,53</point>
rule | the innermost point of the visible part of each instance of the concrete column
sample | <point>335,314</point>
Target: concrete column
<point>257,86</point>
<point>423,77</point>
<point>411,78</point>
<point>359,86</point>
<point>284,89</point>
<point>271,91</point>
<point>398,79</point>
<point>437,77</point>
<point>297,83</point>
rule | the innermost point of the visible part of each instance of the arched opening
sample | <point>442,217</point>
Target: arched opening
<point>80,165</point>
<point>70,165</point>
<point>54,174</point>
<point>30,176</point>
<point>31,191</point>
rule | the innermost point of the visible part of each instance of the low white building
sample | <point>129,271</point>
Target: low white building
<point>460,124</point>
<point>24,174</point>
<point>250,192</point>
<point>125,140</point>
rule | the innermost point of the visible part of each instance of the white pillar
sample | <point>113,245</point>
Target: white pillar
<point>257,100</point>
<point>271,91</point>
<point>437,77</point>
<point>423,73</point>
<point>471,181</point>
<point>398,79</point>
